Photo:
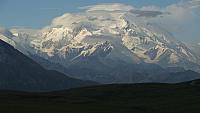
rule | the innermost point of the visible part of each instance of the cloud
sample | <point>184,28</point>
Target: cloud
<point>183,11</point>
<point>141,13</point>
<point>108,7</point>
<point>150,8</point>
<point>190,3</point>
<point>181,19</point>
<point>67,19</point>
<point>148,11</point>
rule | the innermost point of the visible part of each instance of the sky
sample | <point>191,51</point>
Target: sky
<point>40,13</point>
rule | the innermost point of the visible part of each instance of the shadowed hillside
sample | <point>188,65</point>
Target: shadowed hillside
<point>18,72</point>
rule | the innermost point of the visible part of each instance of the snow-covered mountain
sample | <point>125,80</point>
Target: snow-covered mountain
<point>104,34</point>
<point>195,48</point>
<point>6,36</point>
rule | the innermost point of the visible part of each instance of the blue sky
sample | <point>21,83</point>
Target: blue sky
<point>39,13</point>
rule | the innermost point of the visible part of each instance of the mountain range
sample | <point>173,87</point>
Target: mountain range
<point>107,46</point>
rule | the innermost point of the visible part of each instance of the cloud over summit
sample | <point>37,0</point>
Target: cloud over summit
<point>108,7</point>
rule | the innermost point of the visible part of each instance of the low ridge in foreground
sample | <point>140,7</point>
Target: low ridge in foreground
<point>118,98</point>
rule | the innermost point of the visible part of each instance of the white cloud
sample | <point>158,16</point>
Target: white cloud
<point>182,11</point>
<point>180,19</point>
<point>150,8</point>
<point>191,3</point>
<point>108,7</point>
<point>67,19</point>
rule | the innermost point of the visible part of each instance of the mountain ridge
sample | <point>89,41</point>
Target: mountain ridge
<point>18,72</point>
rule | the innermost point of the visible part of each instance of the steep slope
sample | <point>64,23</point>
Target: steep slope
<point>6,35</point>
<point>18,72</point>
